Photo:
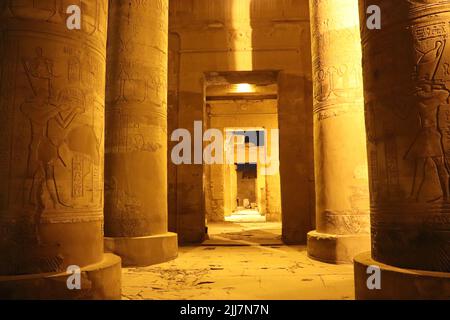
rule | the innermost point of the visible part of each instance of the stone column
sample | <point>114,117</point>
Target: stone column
<point>342,195</point>
<point>52,92</point>
<point>407,90</point>
<point>136,140</point>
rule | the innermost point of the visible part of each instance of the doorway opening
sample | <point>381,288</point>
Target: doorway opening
<point>242,196</point>
<point>247,208</point>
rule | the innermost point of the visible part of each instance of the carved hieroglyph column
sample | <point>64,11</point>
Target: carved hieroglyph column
<point>136,140</point>
<point>52,92</point>
<point>342,195</point>
<point>407,90</point>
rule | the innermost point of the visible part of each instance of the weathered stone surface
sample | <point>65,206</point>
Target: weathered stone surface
<point>342,195</point>
<point>337,249</point>
<point>136,140</point>
<point>144,251</point>
<point>407,89</point>
<point>99,281</point>
<point>52,92</point>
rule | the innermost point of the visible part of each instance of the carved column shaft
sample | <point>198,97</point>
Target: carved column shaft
<point>342,200</point>
<point>52,92</point>
<point>407,89</point>
<point>136,140</point>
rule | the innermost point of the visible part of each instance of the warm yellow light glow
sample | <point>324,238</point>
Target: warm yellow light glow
<point>242,35</point>
<point>244,88</point>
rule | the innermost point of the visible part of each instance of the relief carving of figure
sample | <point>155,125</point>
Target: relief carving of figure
<point>429,60</point>
<point>49,124</point>
<point>427,146</point>
<point>323,87</point>
<point>41,69</point>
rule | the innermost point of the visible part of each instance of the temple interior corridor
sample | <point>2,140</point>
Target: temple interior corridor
<point>224,150</point>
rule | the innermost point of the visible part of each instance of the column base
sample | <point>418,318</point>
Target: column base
<point>336,249</point>
<point>293,236</point>
<point>190,236</point>
<point>144,251</point>
<point>400,284</point>
<point>100,281</point>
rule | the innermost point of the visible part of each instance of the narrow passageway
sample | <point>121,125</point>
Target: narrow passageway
<point>240,261</point>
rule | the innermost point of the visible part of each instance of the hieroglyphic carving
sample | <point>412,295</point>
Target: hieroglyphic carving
<point>340,148</point>
<point>136,119</point>
<point>56,137</point>
<point>77,177</point>
<point>52,135</point>
<point>337,78</point>
<point>342,81</point>
<point>407,108</point>
<point>54,11</point>
<point>343,223</point>
<point>427,145</point>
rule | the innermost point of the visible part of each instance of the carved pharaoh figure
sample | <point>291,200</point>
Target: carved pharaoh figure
<point>49,124</point>
<point>41,69</point>
<point>427,145</point>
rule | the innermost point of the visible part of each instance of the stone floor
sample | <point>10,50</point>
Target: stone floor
<point>240,261</point>
<point>246,215</point>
